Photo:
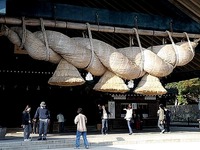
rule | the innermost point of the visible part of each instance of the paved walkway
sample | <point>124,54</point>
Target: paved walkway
<point>144,146</point>
<point>147,133</point>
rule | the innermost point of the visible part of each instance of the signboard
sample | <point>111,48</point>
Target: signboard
<point>111,109</point>
<point>134,105</point>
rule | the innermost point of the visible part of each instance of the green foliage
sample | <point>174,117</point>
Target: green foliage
<point>186,89</point>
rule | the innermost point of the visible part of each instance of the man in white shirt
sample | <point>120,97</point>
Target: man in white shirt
<point>105,114</point>
<point>128,117</point>
<point>61,121</point>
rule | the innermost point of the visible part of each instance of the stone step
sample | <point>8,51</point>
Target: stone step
<point>14,141</point>
<point>16,144</point>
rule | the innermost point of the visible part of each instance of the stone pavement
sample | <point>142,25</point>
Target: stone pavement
<point>115,137</point>
<point>144,146</point>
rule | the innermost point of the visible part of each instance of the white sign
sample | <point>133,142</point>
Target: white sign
<point>111,109</point>
<point>134,105</point>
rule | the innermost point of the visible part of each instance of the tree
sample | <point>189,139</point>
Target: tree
<point>188,90</point>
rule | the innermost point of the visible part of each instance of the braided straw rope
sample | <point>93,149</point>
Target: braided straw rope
<point>125,63</point>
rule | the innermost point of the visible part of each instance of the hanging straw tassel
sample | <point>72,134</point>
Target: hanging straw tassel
<point>66,75</point>
<point>110,82</point>
<point>150,85</point>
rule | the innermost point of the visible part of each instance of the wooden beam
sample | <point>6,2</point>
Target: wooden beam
<point>98,28</point>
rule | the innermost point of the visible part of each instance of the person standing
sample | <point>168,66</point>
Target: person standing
<point>99,117</point>
<point>104,127</point>
<point>35,126</point>
<point>81,120</point>
<point>161,118</point>
<point>26,123</point>
<point>44,118</point>
<point>167,119</point>
<point>61,121</point>
<point>128,117</point>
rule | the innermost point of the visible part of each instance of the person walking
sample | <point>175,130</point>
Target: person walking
<point>26,123</point>
<point>81,120</point>
<point>44,118</point>
<point>104,127</point>
<point>161,117</point>
<point>128,117</point>
<point>167,119</point>
<point>61,121</point>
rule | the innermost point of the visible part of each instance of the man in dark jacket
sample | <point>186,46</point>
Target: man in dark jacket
<point>26,123</point>
<point>167,119</point>
<point>44,117</point>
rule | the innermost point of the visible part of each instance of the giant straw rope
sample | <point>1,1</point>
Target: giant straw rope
<point>101,59</point>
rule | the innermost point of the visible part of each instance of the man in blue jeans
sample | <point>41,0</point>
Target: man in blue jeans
<point>44,117</point>
<point>105,114</point>
<point>128,117</point>
<point>81,120</point>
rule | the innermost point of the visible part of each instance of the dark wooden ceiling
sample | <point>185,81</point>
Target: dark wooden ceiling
<point>175,16</point>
